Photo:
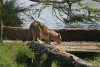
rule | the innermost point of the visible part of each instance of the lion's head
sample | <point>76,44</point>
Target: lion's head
<point>58,38</point>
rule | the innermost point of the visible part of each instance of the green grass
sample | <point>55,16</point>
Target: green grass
<point>19,55</point>
<point>95,60</point>
<point>14,55</point>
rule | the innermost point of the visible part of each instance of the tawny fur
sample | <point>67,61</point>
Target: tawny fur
<point>39,30</point>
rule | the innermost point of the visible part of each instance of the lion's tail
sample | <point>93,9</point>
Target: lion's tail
<point>28,35</point>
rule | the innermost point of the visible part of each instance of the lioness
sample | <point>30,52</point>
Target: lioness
<point>39,30</point>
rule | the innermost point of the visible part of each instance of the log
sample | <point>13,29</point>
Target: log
<point>59,55</point>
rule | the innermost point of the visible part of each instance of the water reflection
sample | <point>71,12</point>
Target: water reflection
<point>83,25</point>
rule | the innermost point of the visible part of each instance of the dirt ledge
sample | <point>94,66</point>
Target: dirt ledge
<point>68,34</point>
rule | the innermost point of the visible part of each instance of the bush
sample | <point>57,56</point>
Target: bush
<point>19,55</point>
<point>10,13</point>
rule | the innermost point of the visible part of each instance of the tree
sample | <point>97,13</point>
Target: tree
<point>65,8</point>
<point>11,12</point>
<point>1,24</point>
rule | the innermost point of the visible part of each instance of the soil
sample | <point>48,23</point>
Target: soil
<point>85,46</point>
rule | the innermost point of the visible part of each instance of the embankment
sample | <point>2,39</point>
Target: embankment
<point>68,34</point>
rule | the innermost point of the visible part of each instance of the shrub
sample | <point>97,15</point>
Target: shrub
<point>11,11</point>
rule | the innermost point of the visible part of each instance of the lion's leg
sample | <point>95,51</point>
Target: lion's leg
<point>39,35</point>
<point>48,40</point>
<point>34,35</point>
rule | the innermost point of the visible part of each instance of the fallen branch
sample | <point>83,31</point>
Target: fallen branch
<point>59,55</point>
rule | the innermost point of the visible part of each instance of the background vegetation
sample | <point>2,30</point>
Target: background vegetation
<point>11,13</point>
<point>69,12</point>
<point>19,55</point>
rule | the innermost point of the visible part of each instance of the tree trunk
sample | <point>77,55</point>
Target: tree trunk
<point>1,24</point>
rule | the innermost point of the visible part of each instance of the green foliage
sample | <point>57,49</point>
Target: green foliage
<point>14,55</point>
<point>10,13</point>
<point>19,55</point>
<point>93,13</point>
<point>5,59</point>
<point>95,60</point>
<point>90,14</point>
<point>55,63</point>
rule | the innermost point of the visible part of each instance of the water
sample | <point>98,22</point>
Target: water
<point>47,18</point>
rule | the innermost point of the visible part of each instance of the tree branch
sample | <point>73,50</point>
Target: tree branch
<point>41,10</point>
<point>52,13</point>
<point>57,16</point>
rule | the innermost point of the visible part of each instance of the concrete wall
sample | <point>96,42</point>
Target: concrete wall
<point>69,34</point>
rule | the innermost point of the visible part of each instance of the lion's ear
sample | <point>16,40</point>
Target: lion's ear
<point>58,33</point>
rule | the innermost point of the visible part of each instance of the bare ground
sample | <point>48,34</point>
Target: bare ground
<point>86,46</point>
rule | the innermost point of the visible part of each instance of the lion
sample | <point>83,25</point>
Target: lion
<point>39,30</point>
